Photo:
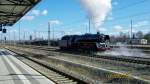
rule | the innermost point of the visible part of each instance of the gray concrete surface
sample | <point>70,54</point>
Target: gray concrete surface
<point>13,71</point>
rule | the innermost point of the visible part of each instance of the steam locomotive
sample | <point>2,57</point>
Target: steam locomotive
<point>87,42</point>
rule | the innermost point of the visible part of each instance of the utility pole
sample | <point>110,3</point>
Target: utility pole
<point>86,28</point>
<point>62,33</point>
<point>1,29</point>
<point>89,25</point>
<point>1,38</point>
<point>131,29</point>
<point>53,34</point>
<point>49,25</point>
<point>19,31</point>
<point>1,33</point>
<point>35,34</point>
<point>131,32</point>
<point>4,38</point>
<point>24,37</point>
<point>8,37</point>
<point>14,37</point>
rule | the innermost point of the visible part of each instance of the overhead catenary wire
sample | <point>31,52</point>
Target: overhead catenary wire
<point>117,10</point>
<point>117,18</point>
<point>130,16</point>
<point>131,5</point>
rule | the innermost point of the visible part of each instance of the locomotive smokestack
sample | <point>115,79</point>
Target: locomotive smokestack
<point>98,33</point>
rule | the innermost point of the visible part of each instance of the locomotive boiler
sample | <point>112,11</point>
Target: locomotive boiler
<point>86,42</point>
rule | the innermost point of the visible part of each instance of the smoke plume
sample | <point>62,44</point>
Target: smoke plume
<point>97,10</point>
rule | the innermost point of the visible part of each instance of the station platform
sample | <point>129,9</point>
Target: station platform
<point>14,71</point>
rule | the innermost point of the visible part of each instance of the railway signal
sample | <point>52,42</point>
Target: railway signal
<point>0,27</point>
<point>4,30</point>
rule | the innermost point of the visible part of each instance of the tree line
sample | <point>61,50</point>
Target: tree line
<point>126,37</point>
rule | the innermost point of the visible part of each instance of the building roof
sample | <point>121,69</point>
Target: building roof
<point>12,10</point>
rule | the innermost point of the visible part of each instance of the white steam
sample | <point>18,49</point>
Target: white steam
<point>124,51</point>
<point>97,10</point>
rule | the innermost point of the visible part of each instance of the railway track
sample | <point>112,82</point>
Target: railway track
<point>40,47</point>
<point>137,60</point>
<point>129,59</point>
<point>114,63</point>
<point>45,69</point>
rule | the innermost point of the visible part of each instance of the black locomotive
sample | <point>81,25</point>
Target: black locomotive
<point>87,42</point>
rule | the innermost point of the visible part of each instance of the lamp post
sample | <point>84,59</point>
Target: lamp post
<point>49,25</point>
<point>14,32</point>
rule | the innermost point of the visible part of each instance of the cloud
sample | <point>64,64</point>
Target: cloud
<point>56,22</point>
<point>44,12</point>
<point>35,12</point>
<point>141,23</point>
<point>28,17</point>
<point>118,28</point>
<point>39,12</point>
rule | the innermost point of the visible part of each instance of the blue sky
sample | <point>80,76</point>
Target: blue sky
<point>68,17</point>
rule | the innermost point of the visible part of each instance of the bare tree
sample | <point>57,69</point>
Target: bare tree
<point>139,35</point>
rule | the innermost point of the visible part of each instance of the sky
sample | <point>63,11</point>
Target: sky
<point>70,17</point>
